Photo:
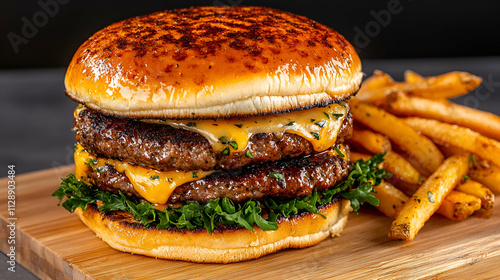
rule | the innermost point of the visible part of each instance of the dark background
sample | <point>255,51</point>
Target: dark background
<point>415,29</point>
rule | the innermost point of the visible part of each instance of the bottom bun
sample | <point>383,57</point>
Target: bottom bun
<point>225,245</point>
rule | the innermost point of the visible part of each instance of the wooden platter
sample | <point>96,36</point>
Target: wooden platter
<point>54,244</point>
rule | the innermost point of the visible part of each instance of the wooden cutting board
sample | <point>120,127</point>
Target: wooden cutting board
<point>54,244</point>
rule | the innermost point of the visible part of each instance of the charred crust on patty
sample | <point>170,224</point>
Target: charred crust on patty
<point>320,172</point>
<point>164,147</point>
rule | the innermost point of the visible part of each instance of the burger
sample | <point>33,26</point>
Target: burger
<point>214,134</point>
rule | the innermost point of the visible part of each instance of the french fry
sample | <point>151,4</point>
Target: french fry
<point>449,151</point>
<point>448,85</point>
<point>373,142</point>
<point>428,198</point>
<point>486,175</point>
<point>479,170</point>
<point>459,205</point>
<point>403,105</point>
<point>412,77</point>
<point>424,155</point>
<point>391,199</point>
<point>479,190</point>
<point>370,88</point>
<point>464,138</point>
<point>404,175</point>
<point>355,156</point>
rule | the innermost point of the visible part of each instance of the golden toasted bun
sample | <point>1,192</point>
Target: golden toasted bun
<point>213,62</point>
<point>228,245</point>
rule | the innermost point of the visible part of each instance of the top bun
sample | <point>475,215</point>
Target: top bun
<point>211,62</point>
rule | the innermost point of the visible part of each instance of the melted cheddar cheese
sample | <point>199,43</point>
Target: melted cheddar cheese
<point>153,185</point>
<point>319,125</point>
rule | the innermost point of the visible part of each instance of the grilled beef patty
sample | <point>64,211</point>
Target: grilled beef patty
<point>164,147</point>
<point>301,175</point>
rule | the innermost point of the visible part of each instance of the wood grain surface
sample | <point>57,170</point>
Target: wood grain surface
<point>54,244</point>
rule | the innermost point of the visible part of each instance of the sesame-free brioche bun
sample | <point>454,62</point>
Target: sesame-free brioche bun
<point>213,62</point>
<point>225,245</point>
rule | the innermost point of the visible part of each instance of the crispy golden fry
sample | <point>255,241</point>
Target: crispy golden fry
<point>448,85</point>
<point>371,141</point>
<point>479,190</point>
<point>370,88</point>
<point>480,170</point>
<point>404,175</point>
<point>421,152</point>
<point>464,138</point>
<point>391,199</point>
<point>449,151</point>
<point>488,175</point>
<point>428,198</point>
<point>485,123</point>
<point>412,77</point>
<point>459,205</point>
<point>355,156</point>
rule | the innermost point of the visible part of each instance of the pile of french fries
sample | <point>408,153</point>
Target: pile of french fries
<point>444,157</point>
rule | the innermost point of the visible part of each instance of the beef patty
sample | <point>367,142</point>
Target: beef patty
<point>300,176</point>
<point>164,148</point>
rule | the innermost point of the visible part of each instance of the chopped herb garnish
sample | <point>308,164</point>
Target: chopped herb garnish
<point>367,114</point>
<point>99,169</point>
<point>225,152</point>
<point>91,162</point>
<point>193,175</point>
<point>313,120</point>
<point>431,197</point>
<point>155,177</point>
<point>326,114</point>
<point>223,140</point>
<point>357,187</point>
<point>465,177</point>
<point>170,180</point>
<point>248,154</point>
<point>320,123</point>
<point>191,124</point>
<point>338,116</point>
<point>361,180</point>
<point>339,152</point>
<point>316,135</point>
<point>289,124</point>
<point>472,158</point>
<point>234,145</point>
<point>74,148</point>
<point>277,176</point>
<point>239,125</point>
<point>417,199</point>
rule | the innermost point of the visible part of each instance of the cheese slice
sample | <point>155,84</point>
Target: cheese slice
<point>153,185</point>
<point>319,125</point>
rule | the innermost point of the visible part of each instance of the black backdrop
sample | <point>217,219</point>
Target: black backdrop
<point>46,33</point>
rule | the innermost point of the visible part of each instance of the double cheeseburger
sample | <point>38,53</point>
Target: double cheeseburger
<point>212,134</point>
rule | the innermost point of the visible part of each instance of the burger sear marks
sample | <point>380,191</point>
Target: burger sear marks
<point>298,177</point>
<point>163,147</point>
